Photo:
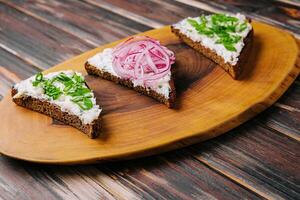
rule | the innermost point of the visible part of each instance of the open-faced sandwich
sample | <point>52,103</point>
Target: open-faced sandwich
<point>140,63</point>
<point>63,96</point>
<point>225,39</point>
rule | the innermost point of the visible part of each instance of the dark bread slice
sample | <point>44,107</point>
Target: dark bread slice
<point>108,76</point>
<point>54,111</point>
<point>234,70</point>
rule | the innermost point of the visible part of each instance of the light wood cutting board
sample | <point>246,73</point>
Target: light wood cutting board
<point>209,103</point>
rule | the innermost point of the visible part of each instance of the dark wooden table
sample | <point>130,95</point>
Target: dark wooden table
<point>257,160</point>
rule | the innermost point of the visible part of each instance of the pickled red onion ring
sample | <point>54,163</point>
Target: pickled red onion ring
<point>142,59</point>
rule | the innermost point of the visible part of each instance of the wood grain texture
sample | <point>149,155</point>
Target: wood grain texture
<point>34,182</point>
<point>130,130</point>
<point>178,175</point>
<point>164,14</point>
<point>104,26</point>
<point>17,66</point>
<point>36,41</point>
<point>118,181</point>
<point>283,120</point>
<point>173,176</point>
<point>292,96</point>
<point>244,155</point>
<point>12,70</point>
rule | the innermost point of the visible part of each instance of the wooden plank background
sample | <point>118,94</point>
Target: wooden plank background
<point>258,160</point>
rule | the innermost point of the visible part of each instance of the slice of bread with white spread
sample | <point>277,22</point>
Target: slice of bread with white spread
<point>140,63</point>
<point>225,39</point>
<point>63,96</point>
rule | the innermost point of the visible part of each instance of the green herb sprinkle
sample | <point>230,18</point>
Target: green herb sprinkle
<point>222,27</point>
<point>73,86</point>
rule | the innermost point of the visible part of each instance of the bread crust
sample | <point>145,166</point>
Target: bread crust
<point>92,70</point>
<point>54,111</point>
<point>234,70</point>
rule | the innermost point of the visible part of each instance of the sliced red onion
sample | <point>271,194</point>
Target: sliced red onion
<point>142,59</point>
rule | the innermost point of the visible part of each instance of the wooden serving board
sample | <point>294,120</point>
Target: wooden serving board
<point>209,103</point>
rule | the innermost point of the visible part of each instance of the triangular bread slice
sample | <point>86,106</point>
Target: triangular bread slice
<point>163,90</point>
<point>223,38</point>
<point>62,95</point>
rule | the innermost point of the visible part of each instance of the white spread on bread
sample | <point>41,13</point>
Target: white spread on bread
<point>103,61</point>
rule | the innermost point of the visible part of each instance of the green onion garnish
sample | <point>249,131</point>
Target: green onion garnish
<point>222,27</point>
<point>73,86</point>
<point>38,79</point>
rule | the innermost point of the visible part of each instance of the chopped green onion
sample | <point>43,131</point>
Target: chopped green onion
<point>73,86</point>
<point>84,103</point>
<point>242,27</point>
<point>230,47</point>
<point>78,78</point>
<point>38,79</point>
<point>222,26</point>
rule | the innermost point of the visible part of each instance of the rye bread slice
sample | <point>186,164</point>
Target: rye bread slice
<point>234,70</point>
<point>92,70</point>
<point>54,111</point>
